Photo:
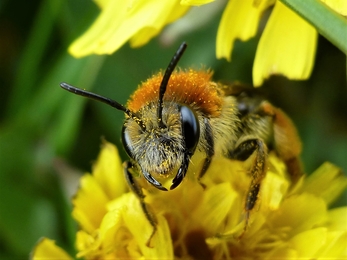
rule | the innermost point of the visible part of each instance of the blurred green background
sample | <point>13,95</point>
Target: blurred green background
<point>48,137</point>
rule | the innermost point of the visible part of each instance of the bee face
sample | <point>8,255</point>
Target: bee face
<point>162,148</point>
<point>156,149</point>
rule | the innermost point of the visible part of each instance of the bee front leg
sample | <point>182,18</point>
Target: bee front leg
<point>137,190</point>
<point>258,169</point>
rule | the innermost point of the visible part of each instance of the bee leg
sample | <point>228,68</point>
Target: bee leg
<point>209,150</point>
<point>258,169</point>
<point>137,190</point>
<point>204,169</point>
<point>286,140</point>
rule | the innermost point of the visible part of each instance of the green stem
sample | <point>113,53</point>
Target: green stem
<point>327,22</point>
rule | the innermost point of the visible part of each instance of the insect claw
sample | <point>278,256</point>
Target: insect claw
<point>149,242</point>
<point>181,173</point>
<point>153,181</point>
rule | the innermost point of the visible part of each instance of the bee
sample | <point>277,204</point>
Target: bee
<point>173,115</point>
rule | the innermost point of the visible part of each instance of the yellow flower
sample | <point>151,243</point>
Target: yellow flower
<point>286,47</point>
<point>289,222</point>
<point>121,21</point>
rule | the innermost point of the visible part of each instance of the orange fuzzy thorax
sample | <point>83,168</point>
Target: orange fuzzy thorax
<point>190,87</point>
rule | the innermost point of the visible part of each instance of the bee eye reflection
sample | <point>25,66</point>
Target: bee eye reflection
<point>127,142</point>
<point>190,128</point>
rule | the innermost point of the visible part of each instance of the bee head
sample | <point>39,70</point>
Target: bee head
<point>161,151</point>
<point>167,138</point>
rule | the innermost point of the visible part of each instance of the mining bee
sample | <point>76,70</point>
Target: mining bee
<point>171,116</point>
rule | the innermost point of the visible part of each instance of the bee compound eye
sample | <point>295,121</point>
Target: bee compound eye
<point>127,142</point>
<point>190,127</point>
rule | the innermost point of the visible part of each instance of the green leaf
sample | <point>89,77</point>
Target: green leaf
<point>33,53</point>
<point>328,23</point>
<point>65,128</point>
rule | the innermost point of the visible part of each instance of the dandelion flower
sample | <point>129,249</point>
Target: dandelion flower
<point>205,223</point>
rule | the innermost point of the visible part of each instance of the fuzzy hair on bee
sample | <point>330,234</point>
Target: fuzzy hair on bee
<point>174,114</point>
<point>160,150</point>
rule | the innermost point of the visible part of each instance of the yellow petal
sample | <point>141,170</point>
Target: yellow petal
<point>299,213</point>
<point>127,212</point>
<point>139,226</point>
<point>161,241</point>
<point>215,207</point>
<point>337,219</point>
<point>143,15</point>
<point>101,3</point>
<point>147,33</point>
<point>335,248</point>
<point>339,6</point>
<point>106,183</point>
<point>239,21</point>
<point>47,249</point>
<point>89,204</point>
<point>120,20</point>
<point>282,253</point>
<point>143,36</point>
<point>86,244</point>
<point>223,169</point>
<point>94,40</point>
<point>108,171</point>
<point>196,2</point>
<point>274,188</point>
<point>287,46</point>
<point>113,235</point>
<point>308,243</point>
<point>327,182</point>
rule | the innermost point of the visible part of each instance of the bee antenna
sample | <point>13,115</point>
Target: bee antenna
<point>170,68</point>
<point>105,100</point>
